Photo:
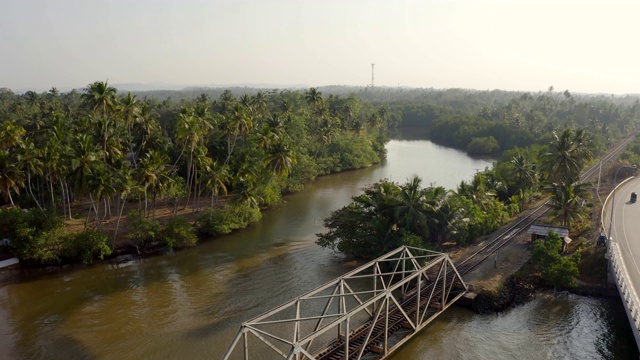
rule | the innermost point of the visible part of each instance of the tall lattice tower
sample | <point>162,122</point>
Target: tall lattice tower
<point>372,65</point>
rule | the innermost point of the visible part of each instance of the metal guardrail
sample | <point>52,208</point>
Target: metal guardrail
<point>625,287</point>
<point>621,275</point>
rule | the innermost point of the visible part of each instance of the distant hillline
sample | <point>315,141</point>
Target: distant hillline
<point>173,87</point>
<point>146,88</point>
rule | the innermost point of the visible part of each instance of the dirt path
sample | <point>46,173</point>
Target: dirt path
<point>164,212</point>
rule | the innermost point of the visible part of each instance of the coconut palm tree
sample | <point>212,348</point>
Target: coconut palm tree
<point>191,131</point>
<point>409,210</point>
<point>525,173</point>
<point>273,132</point>
<point>124,185</point>
<point>280,160</point>
<point>567,201</point>
<point>216,180</point>
<point>568,153</point>
<point>201,163</point>
<point>246,195</point>
<point>100,186</point>
<point>477,191</point>
<point>313,98</point>
<point>101,98</point>
<point>153,174</point>
<point>11,175</point>
<point>441,217</point>
<point>11,134</point>
<point>129,110</point>
<point>238,124</point>
<point>30,157</point>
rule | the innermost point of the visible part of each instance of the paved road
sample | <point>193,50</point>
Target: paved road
<point>625,228</point>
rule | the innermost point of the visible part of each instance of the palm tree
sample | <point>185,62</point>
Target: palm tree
<point>153,174</point>
<point>357,128</point>
<point>567,201</point>
<point>477,191</point>
<point>409,210</point>
<point>569,153</point>
<point>326,132</point>
<point>525,174</point>
<point>11,175</point>
<point>280,160</point>
<point>130,111</point>
<point>11,134</point>
<point>373,120</point>
<point>85,159</point>
<point>191,131</point>
<point>101,97</point>
<point>246,195</point>
<point>271,133</point>
<point>30,157</point>
<point>383,112</point>
<point>247,102</point>
<point>124,185</point>
<point>100,186</point>
<point>201,163</point>
<point>225,102</point>
<point>285,108</point>
<point>313,98</point>
<point>440,216</point>
<point>216,180</point>
<point>238,124</point>
<point>260,104</point>
<point>51,158</point>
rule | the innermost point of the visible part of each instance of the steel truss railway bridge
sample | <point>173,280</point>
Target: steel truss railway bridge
<point>366,313</point>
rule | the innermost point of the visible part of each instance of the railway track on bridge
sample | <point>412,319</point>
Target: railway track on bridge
<point>365,338</point>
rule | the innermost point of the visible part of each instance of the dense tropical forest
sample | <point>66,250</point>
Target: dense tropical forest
<point>93,153</point>
<point>544,142</point>
<point>218,157</point>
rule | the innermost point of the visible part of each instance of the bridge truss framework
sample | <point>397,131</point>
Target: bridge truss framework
<point>371,310</point>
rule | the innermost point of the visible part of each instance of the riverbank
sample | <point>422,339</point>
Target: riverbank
<point>509,279</point>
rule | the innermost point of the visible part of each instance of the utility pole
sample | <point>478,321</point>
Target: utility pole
<point>372,65</point>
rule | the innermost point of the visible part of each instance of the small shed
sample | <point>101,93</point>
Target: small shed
<point>541,232</point>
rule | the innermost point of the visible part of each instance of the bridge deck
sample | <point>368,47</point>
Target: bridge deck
<point>395,322</point>
<point>403,291</point>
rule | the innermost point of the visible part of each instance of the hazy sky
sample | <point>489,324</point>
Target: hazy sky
<point>582,46</point>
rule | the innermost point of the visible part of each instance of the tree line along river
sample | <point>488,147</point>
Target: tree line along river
<point>190,304</point>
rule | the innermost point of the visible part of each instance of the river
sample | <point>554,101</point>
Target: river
<point>190,304</point>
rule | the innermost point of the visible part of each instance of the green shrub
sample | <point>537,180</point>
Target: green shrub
<point>272,194</point>
<point>87,245</point>
<point>219,221</point>
<point>483,146</point>
<point>556,270</point>
<point>178,233</point>
<point>35,235</point>
<point>142,231</point>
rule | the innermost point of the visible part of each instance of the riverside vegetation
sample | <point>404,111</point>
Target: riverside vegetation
<point>535,164</point>
<point>88,156</point>
<point>96,159</point>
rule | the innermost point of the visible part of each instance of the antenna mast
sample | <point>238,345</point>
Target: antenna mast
<point>372,65</point>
